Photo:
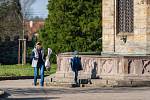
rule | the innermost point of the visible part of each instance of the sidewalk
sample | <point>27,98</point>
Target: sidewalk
<point>24,90</point>
<point>21,83</point>
<point>27,83</point>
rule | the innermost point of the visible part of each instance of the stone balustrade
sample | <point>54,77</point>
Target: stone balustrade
<point>112,67</point>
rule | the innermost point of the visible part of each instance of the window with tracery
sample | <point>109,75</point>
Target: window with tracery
<point>125,16</point>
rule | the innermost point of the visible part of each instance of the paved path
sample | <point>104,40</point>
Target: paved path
<point>23,90</point>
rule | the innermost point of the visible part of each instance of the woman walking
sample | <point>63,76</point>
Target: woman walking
<point>38,61</point>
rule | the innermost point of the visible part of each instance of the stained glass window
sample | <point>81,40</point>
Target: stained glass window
<point>125,16</point>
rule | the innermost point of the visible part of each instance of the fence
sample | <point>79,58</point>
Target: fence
<point>9,52</point>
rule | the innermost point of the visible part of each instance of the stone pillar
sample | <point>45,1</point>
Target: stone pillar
<point>148,27</point>
<point>108,24</point>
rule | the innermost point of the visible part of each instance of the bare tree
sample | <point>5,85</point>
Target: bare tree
<point>10,18</point>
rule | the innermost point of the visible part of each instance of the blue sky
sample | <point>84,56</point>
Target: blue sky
<point>35,8</point>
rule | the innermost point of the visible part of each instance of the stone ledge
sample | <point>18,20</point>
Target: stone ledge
<point>101,83</point>
<point>58,84</point>
<point>132,83</point>
<point>121,83</point>
<point>117,83</point>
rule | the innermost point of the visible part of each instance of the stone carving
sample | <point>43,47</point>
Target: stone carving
<point>103,67</point>
<point>68,66</point>
<point>130,66</point>
<point>119,66</point>
<point>99,66</point>
<point>89,66</point>
<point>85,65</point>
<point>146,66</point>
<point>107,66</point>
<point>94,70</point>
<point>138,66</point>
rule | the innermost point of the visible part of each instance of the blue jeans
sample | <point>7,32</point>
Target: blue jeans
<point>36,73</point>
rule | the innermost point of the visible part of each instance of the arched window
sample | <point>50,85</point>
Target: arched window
<point>125,16</point>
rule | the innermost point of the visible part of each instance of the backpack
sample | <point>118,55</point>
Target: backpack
<point>76,64</point>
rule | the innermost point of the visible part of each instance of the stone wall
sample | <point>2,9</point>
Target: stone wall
<point>137,42</point>
<point>108,25</point>
<point>106,67</point>
<point>126,61</point>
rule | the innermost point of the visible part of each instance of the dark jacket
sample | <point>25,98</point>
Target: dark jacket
<point>76,64</point>
<point>37,57</point>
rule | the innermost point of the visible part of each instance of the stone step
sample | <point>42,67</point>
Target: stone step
<point>56,84</point>
<point>101,83</point>
<point>119,83</point>
<point>69,82</point>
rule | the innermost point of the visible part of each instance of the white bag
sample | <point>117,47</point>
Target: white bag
<point>49,52</point>
<point>47,63</point>
<point>34,63</point>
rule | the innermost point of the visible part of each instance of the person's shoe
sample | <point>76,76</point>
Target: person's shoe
<point>35,84</point>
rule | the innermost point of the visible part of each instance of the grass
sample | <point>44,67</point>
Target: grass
<point>21,70</point>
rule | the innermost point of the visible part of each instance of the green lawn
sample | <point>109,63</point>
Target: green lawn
<point>21,70</point>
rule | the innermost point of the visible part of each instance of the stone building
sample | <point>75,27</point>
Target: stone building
<point>126,26</point>
<point>125,59</point>
<point>32,27</point>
